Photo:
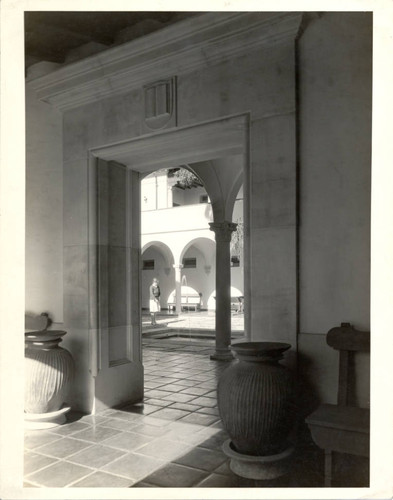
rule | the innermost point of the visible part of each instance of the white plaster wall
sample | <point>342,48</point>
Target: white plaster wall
<point>148,194</point>
<point>335,150</point>
<point>185,218</point>
<point>44,208</point>
<point>335,156</point>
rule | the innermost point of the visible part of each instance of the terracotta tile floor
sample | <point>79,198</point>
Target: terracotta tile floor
<point>172,439</point>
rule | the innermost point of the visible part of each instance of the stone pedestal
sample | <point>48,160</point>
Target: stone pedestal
<point>258,467</point>
<point>223,232</point>
<point>36,421</point>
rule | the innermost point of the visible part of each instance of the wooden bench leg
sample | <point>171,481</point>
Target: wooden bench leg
<point>328,468</point>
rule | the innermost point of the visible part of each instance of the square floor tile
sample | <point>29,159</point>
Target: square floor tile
<point>125,415</point>
<point>64,447</point>
<point>35,439</point>
<point>154,420</point>
<point>96,434</point>
<point>149,384</point>
<point>200,458</point>
<point>211,394</point>
<point>175,476</point>
<point>184,406</point>
<point>170,388</point>
<point>128,441</point>
<point>35,461</point>
<point>107,412</point>
<point>171,380</point>
<point>176,397</point>
<point>164,449</point>
<point>143,484</point>
<point>141,409</point>
<point>103,480</point>
<point>207,385</point>
<point>96,456</point>
<point>197,391</point>
<point>59,475</point>
<point>170,414</point>
<point>190,438</point>
<point>158,402</point>
<point>215,441</point>
<point>69,429</point>
<point>199,418</point>
<point>157,372</point>
<point>189,372</point>
<point>121,425</point>
<point>225,469</point>
<point>209,411</point>
<point>219,481</point>
<point>133,466</point>
<point>201,377</point>
<point>94,419</point>
<point>157,394</point>
<point>203,401</point>
<point>187,383</point>
<point>151,430</point>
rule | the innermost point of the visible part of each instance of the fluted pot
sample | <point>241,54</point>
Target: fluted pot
<point>49,371</point>
<point>255,399</point>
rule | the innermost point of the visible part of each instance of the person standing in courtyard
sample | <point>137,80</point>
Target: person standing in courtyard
<point>154,300</point>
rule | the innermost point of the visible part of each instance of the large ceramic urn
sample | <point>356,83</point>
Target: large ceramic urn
<point>49,371</point>
<point>255,399</point>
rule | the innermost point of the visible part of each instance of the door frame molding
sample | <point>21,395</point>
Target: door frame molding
<point>197,142</point>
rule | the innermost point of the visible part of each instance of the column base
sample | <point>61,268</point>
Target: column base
<point>222,355</point>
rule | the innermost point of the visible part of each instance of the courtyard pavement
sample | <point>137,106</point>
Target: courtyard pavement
<point>190,320</point>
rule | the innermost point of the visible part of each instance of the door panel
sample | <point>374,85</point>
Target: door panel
<point>120,371</point>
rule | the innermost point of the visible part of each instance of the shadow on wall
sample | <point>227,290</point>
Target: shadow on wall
<point>83,379</point>
<point>307,389</point>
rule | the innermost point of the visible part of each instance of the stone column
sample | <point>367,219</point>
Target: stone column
<point>178,268</point>
<point>223,232</point>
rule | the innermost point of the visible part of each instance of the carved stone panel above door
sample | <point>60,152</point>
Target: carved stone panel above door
<point>160,104</point>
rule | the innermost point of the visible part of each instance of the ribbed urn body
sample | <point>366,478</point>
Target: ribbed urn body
<point>255,397</point>
<point>49,371</point>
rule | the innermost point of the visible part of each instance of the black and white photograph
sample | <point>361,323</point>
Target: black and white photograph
<point>195,246</point>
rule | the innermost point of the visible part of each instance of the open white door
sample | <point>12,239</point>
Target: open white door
<point>119,374</point>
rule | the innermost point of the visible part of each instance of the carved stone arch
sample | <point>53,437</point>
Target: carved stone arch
<point>194,242</point>
<point>163,248</point>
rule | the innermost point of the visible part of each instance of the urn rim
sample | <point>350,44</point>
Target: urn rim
<point>44,335</point>
<point>259,348</point>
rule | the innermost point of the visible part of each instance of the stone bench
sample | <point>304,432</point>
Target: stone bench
<point>187,301</point>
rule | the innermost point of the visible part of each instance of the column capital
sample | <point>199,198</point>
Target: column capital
<point>223,230</point>
<point>177,266</point>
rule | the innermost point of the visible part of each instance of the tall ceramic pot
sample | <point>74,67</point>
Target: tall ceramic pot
<point>49,371</point>
<point>255,397</point>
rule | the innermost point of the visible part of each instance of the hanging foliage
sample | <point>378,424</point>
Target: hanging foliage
<point>186,179</point>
